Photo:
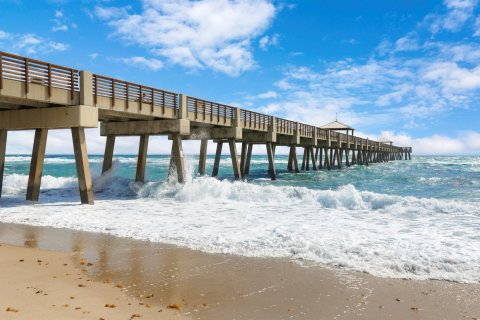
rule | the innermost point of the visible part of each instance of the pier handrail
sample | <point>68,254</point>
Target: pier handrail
<point>210,108</point>
<point>26,70</point>
<point>286,126</point>
<point>124,90</point>
<point>255,120</point>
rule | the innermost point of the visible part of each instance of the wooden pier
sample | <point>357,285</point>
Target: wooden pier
<point>40,96</point>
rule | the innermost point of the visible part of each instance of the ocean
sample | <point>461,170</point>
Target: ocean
<point>417,219</point>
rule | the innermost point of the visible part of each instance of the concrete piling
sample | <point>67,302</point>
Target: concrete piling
<point>36,164</point>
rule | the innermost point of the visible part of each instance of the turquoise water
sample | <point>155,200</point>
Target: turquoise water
<point>415,219</point>
<point>440,177</point>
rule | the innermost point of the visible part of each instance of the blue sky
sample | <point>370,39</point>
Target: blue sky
<point>405,70</point>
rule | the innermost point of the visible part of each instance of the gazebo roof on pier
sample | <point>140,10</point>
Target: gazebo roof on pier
<point>383,140</point>
<point>336,125</point>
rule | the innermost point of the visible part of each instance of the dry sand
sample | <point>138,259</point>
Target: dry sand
<point>205,286</point>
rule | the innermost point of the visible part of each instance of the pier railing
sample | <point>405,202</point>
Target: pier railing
<point>285,126</point>
<point>31,71</point>
<point>254,121</point>
<point>117,90</point>
<point>208,110</point>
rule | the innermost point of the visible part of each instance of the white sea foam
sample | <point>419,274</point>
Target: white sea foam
<point>385,235</point>
<point>17,183</point>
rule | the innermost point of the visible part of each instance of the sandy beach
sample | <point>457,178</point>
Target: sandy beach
<point>60,274</point>
<point>41,284</point>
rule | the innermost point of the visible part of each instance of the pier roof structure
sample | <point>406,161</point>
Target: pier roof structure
<point>336,125</point>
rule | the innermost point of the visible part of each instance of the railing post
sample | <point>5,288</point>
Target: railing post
<point>314,137</point>
<point>95,78</point>
<point>296,135</point>
<point>127,96</point>
<point>236,118</point>
<point>49,80</point>
<point>86,88</point>
<point>1,71</point>
<point>72,85</point>
<point>153,100</point>
<point>272,130</point>
<point>140,99</point>
<point>26,76</point>
<point>183,112</point>
<point>113,95</point>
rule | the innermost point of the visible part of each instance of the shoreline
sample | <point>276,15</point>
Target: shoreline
<point>217,286</point>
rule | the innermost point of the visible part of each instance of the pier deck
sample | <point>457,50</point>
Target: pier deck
<point>35,95</point>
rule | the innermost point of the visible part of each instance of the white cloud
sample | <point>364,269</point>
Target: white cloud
<point>4,35</point>
<point>62,27</point>
<point>407,43</point>
<point>268,41</point>
<point>477,27</point>
<point>93,55</point>
<point>296,54</point>
<point>112,12</point>
<point>60,22</point>
<point>142,62</point>
<point>463,143</point>
<point>396,96</point>
<point>458,12</point>
<point>268,95</point>
<point>195,34</point>
<point>31,43</point>
<point>452,77</point>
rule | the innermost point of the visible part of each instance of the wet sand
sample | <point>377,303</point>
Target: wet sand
<point>41,284</point>
<point>216,286</point>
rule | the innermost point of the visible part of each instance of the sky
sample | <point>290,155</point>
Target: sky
<point>408,70</point>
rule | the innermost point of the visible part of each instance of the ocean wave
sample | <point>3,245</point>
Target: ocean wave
<point>14,184</point>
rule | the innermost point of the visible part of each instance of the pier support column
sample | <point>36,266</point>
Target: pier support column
<point>332,159</point>
<point>202,159</point>
<point>339,158</point>
<point>249,158</point>
<point>243,158</point>
<point>36,164</point>
<point>218,156</point>
<point>234,156</point>
<point>327,160</point>
<point>177,157</point>
<point>85,185</point>
<point>108,155</point>
<point>320,163</point>
<point>304,159</point>
<point>290,159</point>
<point>295,160</point>
<point>314,159</point>
<point>347,157</point>
<point>307,160</point>
<point>142,158</point>
<point>3,148</point>
<point>271,161</point>
<point>317,149</point>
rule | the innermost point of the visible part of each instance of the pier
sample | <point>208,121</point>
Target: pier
<point>40,96</point>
